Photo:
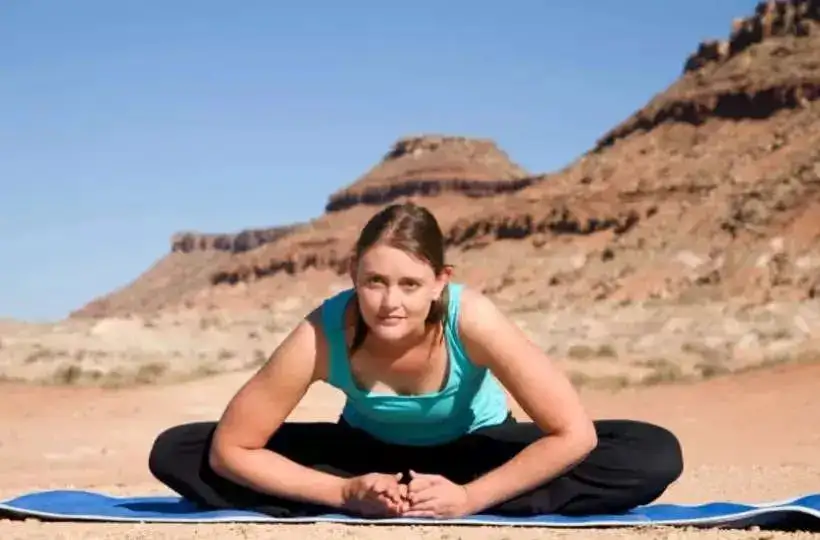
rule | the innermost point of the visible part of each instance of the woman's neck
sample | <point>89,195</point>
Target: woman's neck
<point>396,349</point>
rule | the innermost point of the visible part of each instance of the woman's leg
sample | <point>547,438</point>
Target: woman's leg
<point>633,464</point>
<point>179,459</point>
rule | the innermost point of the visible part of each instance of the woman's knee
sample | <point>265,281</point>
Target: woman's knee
<point>164,450</point>
<point>662,457</point>
<point>177,447</point>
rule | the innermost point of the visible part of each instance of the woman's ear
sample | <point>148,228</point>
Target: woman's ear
<point>443,279</point>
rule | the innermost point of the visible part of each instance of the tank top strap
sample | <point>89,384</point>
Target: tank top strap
<point>333,319</point>
<point>453,312</point>
<point>454,303</point>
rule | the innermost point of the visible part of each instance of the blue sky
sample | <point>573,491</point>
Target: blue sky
<point>124,122</point>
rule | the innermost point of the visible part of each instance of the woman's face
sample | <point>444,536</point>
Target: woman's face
<point>395,291</point>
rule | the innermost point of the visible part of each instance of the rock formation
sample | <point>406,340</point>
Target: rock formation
<point>711,192</point>
<point>431,165</point>
<point>769,64</point>
<point>246,240</point>
<point>780,18</point>
<point>433,169</point>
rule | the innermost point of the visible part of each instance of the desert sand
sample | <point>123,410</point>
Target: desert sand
<point>746,437</point>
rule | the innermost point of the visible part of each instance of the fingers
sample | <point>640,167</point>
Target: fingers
<point>432,507</point>
<point>381,483</point>
<point>391,507</point>
<point>422,481</point>
<point>419,514</point>
<point>394,488</point>
<point>381,495</point>
<point>423,496</point>
<point>415,513</point>
<point>386,488</point>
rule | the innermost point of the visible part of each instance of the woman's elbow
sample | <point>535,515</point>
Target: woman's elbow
<point>590,438</point>
<point>584,438</point>
<point>219,460</point>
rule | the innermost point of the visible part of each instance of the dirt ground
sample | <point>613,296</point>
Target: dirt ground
<point>746,437</point>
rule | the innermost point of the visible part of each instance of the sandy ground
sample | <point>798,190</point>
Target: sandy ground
<point>746,437</point>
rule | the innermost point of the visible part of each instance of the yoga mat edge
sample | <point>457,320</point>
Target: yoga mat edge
<point>90,506</point>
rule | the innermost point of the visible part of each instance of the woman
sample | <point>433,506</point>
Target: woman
<point>426,429</point>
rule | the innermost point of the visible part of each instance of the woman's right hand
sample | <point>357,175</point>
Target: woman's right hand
<point>375,495</point>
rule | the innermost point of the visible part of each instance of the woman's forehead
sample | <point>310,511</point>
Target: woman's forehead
<point>394,262</point>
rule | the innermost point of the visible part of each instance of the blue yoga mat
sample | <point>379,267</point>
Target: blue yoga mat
<point>70,505</point>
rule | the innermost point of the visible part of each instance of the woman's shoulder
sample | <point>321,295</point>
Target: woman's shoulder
<point>331,314</point>
<point>474,306</point>
<point>479,322</point>
<point>326,321</point>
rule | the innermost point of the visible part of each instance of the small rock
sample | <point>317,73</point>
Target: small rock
<point>807,262</point>
<point>801,324</point>
<point>689,259</point>
<point>763,260</point>
<point>578,261</point>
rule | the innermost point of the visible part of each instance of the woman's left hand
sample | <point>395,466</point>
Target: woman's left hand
<point>432,495</point>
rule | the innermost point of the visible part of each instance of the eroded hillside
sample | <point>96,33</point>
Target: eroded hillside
<point>709,192</point>
<point>685,244</point>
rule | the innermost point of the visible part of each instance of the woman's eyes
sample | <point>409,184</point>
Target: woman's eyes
<point>404,284</point>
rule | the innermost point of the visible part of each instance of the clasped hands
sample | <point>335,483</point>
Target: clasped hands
<point>426,495</point>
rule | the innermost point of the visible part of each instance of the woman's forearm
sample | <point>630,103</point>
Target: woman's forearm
<point>268,472</point>
<point>535,465</point>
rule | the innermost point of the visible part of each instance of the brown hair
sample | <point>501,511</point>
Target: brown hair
<point>414,230</point>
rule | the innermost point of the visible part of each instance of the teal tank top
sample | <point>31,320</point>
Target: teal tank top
<point>471,399</point>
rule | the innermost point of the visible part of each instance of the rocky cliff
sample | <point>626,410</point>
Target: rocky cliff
<point>771,19</point>
<point>770,63</point>
<point>709,192</point>
<point>431,165</point>
<point>246,240</point>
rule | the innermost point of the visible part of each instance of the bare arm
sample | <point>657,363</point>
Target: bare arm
<point>541,389</point>
<point>257,411</point>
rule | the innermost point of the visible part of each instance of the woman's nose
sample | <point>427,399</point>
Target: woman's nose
<point>392,297</point>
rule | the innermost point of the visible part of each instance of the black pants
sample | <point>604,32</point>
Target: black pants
<point>633,464</point>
